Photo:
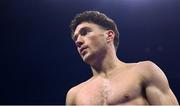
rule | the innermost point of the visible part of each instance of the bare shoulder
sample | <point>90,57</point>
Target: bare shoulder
<point>150,69</point>
<point>156,84</point>
<point>152,74</point>
<point>147,65</point>
<point>71,94</point>
<point>145,68</point>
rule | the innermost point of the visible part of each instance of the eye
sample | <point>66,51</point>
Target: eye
<point>84,31</point>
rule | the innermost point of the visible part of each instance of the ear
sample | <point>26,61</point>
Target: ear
<point>110,35</point>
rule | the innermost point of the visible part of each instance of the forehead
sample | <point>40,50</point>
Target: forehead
<point>86,24</point>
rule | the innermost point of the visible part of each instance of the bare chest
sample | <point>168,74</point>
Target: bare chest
<point>114,91</point>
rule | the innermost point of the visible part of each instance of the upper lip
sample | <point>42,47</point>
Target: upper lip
<point>82,48</point>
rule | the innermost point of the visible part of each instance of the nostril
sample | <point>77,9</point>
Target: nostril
<point>78,43</point>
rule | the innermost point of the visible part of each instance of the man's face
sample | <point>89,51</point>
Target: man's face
<point>90,41</point>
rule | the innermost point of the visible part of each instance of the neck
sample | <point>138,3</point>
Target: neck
<point>104,66</point>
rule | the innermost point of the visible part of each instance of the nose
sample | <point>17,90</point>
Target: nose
<point>79,41</point>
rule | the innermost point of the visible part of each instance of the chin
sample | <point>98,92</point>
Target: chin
<point>87,58</point>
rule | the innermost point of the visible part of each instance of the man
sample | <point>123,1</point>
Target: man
<point>113,82</point>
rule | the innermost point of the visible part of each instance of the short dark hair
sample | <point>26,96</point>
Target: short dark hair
<point>97,18</point>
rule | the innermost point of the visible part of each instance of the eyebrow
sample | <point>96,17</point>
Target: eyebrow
<point>75,36</point>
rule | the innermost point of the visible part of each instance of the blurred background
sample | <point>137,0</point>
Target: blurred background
<point>39,62</point>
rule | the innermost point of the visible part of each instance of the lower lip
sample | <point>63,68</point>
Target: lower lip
<point>83,52</point>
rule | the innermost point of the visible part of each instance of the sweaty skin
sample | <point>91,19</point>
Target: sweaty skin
<point>115,82</point>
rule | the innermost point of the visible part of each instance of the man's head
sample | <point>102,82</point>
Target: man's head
<point>96,18</point>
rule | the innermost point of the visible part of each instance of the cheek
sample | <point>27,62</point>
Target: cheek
<point>96,41</point>
<point>97,44</point>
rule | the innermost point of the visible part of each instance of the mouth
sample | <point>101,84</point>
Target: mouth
<point>81,50</point>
